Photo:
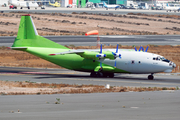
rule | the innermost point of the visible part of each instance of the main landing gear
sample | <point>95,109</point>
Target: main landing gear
<point>151,77</point>
<point>100,74</point>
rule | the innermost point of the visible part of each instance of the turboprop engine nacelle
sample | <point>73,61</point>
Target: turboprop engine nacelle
<point>92,55</point>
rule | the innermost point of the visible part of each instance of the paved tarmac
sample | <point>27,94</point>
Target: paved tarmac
<point>113,40</point>
<point>74,77</point>
<point>159,105</point>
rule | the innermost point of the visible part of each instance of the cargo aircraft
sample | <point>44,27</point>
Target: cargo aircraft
<point>98,62</point>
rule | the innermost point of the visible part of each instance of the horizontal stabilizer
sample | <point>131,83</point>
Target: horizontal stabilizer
<point>18,48</point>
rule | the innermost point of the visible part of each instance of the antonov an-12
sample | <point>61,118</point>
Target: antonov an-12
<point>97,62</point>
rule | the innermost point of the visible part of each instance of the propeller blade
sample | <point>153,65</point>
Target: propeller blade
<point>142,49</point>
<point>117,49</point>
<point>98,56</point>
<point>116,54</point>
<point>113,53</point>
<point>101,64</point>
<point>147,48</point>
<point>115,64</point>
<point>101,49</point>
<point>135,49</point>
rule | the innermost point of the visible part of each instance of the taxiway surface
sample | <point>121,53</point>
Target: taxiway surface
<point>161,105</point>
<point>73,77</point>
<point>108,39</point>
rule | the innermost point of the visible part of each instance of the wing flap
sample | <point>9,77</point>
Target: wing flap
<point>73,52</point>
<point>68,52</point>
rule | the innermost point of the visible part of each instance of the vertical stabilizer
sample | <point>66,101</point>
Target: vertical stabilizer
<point>28,37</point>
<point>27,29</point>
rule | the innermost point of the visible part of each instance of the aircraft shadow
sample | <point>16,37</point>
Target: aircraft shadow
<point>49,76</point>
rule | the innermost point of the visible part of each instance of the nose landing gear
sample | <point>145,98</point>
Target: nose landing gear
<point>151,77</point>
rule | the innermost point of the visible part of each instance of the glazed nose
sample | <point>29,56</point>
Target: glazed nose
<point>174,65</point>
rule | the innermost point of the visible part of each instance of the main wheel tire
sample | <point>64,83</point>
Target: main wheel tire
<point>111,75</point>
<point>21,7</point>
<point>93,74</point>
<point>105,75</point>
<point>99,74</point>
<point>150,77</point>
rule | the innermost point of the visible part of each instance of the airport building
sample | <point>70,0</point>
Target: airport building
<point>83,3</point>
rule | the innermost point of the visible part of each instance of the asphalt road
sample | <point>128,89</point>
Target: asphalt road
<point>113,40</point>
<point>74,77</point>
<point>159,105</point>
<point>88,10</point>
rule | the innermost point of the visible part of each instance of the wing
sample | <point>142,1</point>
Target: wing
<point>74,52</point>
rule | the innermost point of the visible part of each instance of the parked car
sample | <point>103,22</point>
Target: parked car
<point>12,7</point>
<point>69,6</point>
<point>178,10</point>
<point>122,6</point>
<point>158,8</point>
<point>42,7</point>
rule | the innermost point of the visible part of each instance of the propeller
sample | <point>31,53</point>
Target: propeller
<point>100,55</point>
<point>135,48</point>
<point>141,47</point>
<point>116,54</point>
<point>147,49</point>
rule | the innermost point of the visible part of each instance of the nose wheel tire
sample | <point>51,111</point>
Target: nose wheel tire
<point>150,77</point>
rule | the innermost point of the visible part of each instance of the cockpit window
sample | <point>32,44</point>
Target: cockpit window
<point>165,60</point>
<point>161,59</point>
